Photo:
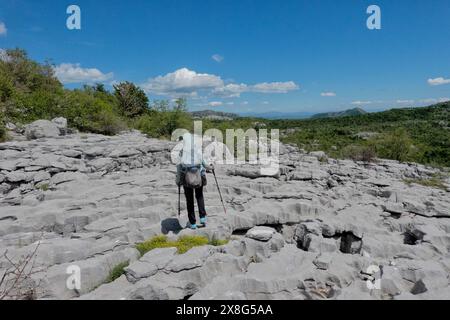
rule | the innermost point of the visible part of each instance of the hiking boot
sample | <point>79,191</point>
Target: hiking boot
<point>203,221</point>
<point>192,226</point>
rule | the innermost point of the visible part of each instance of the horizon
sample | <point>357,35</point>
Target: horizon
<point>245,56</point>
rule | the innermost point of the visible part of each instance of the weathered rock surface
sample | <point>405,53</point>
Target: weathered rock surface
<point>319,229</point>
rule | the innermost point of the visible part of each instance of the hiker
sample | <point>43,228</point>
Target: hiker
<point>191,174</point>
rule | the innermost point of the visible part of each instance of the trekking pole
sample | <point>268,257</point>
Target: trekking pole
<point>218,189</point>
<point>179,200</point>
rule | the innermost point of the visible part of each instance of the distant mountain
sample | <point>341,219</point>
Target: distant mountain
<point>346,113</point>
<point>214,115</point>
<point>278,115</point>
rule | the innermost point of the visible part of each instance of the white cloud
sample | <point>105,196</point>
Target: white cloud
<point>185,82</point>
<point>3,29</point>
<point>434,100</point>
<point>217,58</point>
<point>244,103</point>
<point>328,94</point>
<point>438,81</point>
<point>215,103</point>
<point>359,103</point>
<point>275,87</point>
<point>405,101</point>
<point>231,90</point>
<point>182,82</point>
<point>74,73</point>
<point>265,102</point>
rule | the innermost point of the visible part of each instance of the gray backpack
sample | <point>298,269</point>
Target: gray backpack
<point>193,178</point>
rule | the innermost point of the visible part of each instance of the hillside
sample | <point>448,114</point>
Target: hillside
<point>411,134</point>
<point>213,115</point>
<point>345,113</point>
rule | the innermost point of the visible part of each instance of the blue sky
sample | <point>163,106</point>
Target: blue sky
<point>245,55</point>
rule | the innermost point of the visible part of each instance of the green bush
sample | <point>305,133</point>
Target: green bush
<point>159,123</point>
<point>396,145</point>
<point>132,100</point>
<point>28,90</point>
<point>359,153</point>
<point>90,111</point>
<point>2,129</point>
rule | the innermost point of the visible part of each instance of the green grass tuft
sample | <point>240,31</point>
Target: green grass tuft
<point>433,182</point>
<point>117,271</point>
<point>183,244</point>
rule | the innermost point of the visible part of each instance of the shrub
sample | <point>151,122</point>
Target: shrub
<point>132,100</point>
<point>2,129</point>
<point>161,123</point>
<point>92,111</point>
<point>359,153</point>
<point>28,90</point>
<point>396,145</point>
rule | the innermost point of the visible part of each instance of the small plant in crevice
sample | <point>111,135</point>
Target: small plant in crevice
<point>117,271</point>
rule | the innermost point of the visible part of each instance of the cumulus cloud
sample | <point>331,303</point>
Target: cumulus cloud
<point>438,81</point>
<point>74,73</point>
<point>328,94</point>
<point>3,29</point>
<point>275,87</point>
<point>182,82</point>
<point>231,90</point>
<point>215,103</point>
<point>185,82</point>
<point>217,58</point>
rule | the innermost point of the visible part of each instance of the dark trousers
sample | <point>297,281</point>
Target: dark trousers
<point>189,193</point>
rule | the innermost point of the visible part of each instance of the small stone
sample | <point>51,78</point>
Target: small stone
<point>323,261</point>
<point>260,233</point>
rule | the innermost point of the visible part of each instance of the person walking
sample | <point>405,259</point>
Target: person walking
<point>191,175</point>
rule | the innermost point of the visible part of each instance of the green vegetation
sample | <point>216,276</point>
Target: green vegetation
<point>436,181</point>
<point>44,187</point>
<point>117,271</point>
<point>30,91</point>
<point>346,113</point>
<point>415,134</point>
<point>183,244</point>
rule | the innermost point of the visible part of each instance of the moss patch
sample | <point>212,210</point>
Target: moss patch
<point>183,244</point>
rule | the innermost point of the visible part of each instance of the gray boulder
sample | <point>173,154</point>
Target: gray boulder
<point>41,129</point>
<point>61,123</point>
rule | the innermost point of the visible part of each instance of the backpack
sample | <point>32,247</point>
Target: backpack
<point>193,177</point>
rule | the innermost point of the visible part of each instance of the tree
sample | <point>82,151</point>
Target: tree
<point>132,100</point>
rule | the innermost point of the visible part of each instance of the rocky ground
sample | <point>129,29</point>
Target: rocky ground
<point>321,229</point>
